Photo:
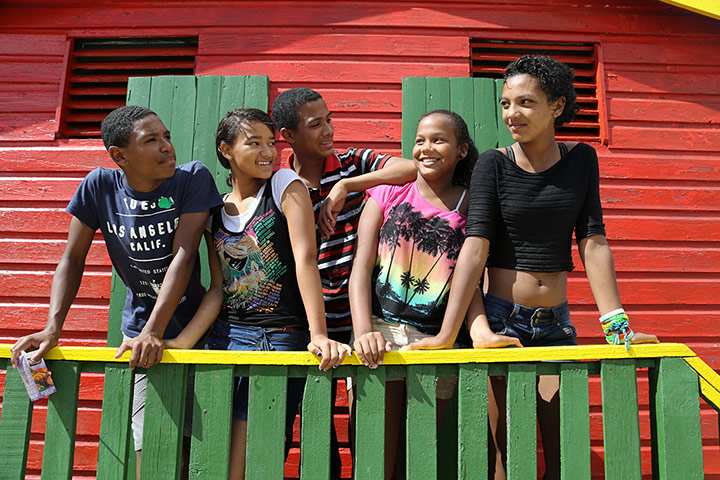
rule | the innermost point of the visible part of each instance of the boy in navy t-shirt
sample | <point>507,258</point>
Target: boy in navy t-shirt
<point>152,215</point>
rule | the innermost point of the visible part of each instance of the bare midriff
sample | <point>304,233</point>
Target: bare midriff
<point>532,289</point>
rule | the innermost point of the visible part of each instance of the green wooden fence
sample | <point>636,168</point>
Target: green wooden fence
<point>673,398</point>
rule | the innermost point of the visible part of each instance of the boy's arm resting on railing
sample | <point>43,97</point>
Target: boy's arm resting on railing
<point>600,270</point>
<point>147,347</point>
<point>396,171</point>
<point>297,207</point>
<point>65,285</point>
<point>209,308</point>
<point>369,344</point>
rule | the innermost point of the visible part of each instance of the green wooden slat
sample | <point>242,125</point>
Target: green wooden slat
<point>161,99</point>
<point>677,416</point>
<point>574,422</point>
<point>15,423</point>
<point>61,421</point>
<point>370,427</point>
<point>315,432</point>
<point>621,430</point>
<point>232,94</point>
<point>521,422</point>
<point>183,116</point>
<point>212,422</point>
<point>447,449</point>
<point>485,127</point>
<point>437,94</point>
<point>421,451</point>
<point>504,137</point>
<point>472,395</point>
<point>164,421</point>
<point>256,92</point>
<point>138,91</point>
<point>207,117</point>
<point>414,106</point>
<point>266,423</point>
<point>115,433</point>
<point>118,294</point>
<point>461,99</point>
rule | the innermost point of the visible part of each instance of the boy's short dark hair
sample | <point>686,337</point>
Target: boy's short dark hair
<point>118,124</point>
<point>286,107</point>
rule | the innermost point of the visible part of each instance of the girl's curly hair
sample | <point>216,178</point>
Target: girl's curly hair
<point>555,79</point>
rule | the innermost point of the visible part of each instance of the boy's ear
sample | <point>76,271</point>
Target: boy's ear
<point>288,135</point>
<point>118,155</point>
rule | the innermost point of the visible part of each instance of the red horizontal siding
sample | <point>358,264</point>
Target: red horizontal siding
<point>660,168</point>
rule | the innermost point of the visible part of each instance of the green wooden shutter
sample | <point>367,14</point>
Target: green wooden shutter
<point>474,99</point>
<point>191,108</point>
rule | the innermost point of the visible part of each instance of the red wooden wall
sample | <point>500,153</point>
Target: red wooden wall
<point>659,88</point>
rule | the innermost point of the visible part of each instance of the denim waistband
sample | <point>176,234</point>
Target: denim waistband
<point>533,316</point>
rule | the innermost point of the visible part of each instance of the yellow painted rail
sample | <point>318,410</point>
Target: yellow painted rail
<point>675,375</point>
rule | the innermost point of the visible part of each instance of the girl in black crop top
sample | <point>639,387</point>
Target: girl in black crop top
<point>525,202</point>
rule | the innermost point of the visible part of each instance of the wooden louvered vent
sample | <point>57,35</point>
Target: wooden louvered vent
<point>490,57</point>
<point>98,74</point>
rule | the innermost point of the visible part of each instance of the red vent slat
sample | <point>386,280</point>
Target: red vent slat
<point>99,69</point>
<point>490,57</point>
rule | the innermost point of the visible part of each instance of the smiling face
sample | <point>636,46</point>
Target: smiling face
<point>253,152</point>
<point>526,110</point>
<point>312,139</point>
<point>149,157</point>
<point>436,150</point>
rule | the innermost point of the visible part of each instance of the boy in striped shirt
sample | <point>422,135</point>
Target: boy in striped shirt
<point>337,184</point>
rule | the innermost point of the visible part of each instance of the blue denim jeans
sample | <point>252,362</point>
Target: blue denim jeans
<point>226,336</point>
<point>535,327</point>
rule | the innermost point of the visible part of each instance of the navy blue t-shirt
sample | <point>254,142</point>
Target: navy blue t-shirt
<point>138,228</point>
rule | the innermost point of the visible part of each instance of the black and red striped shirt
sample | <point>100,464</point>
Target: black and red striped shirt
<point>335,254</point>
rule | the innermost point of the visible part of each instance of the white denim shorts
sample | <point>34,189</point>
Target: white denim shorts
<point>401,335</point>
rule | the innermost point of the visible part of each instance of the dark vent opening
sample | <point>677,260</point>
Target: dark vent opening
<point>490,57</point>
<point>98,74</point>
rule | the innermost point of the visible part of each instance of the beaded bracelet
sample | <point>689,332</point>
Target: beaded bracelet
<point>616,327</point>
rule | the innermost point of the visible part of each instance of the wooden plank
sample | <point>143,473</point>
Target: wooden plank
<point>677,409</point>
<point>664,111</point>
<point>299,42</point>
<point>93,286</point>
<point>28,101</point>
<point>256,92</point>
<point>38,127</point>
<point>32,44</point>
<point>414,105</point>
<point>266,422</point>
<point>621,431</point>
<point>212,421</point>
<point>161,99</point>
<point>45,188</point>
<point>574,422</point>
<point>15,424</point>
<point>370,432</point>
<point>421,420</point>
<point>115,433</point>
<point>504,137</point>
<point>626,195</point>
<point>164,421</point>
<point>472,394</point>
<point>184,93</point>
<point>621,79</point>
<point>46,252</point>
<point>462,99</point>
<point>61,421</point>
<point>316,418</point>
<point>677,52</point>
<point>317,70</point>
<point>521,422</point>
<point>485,128</point>
<point>413,357</point>
<point>672,139</point>
<point>80,158</point>
<point>437,94</point>
<point>207,117</point>
<point>138,91</point>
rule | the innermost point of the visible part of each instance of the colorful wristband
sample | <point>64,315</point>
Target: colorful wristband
<point>617,327</point>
